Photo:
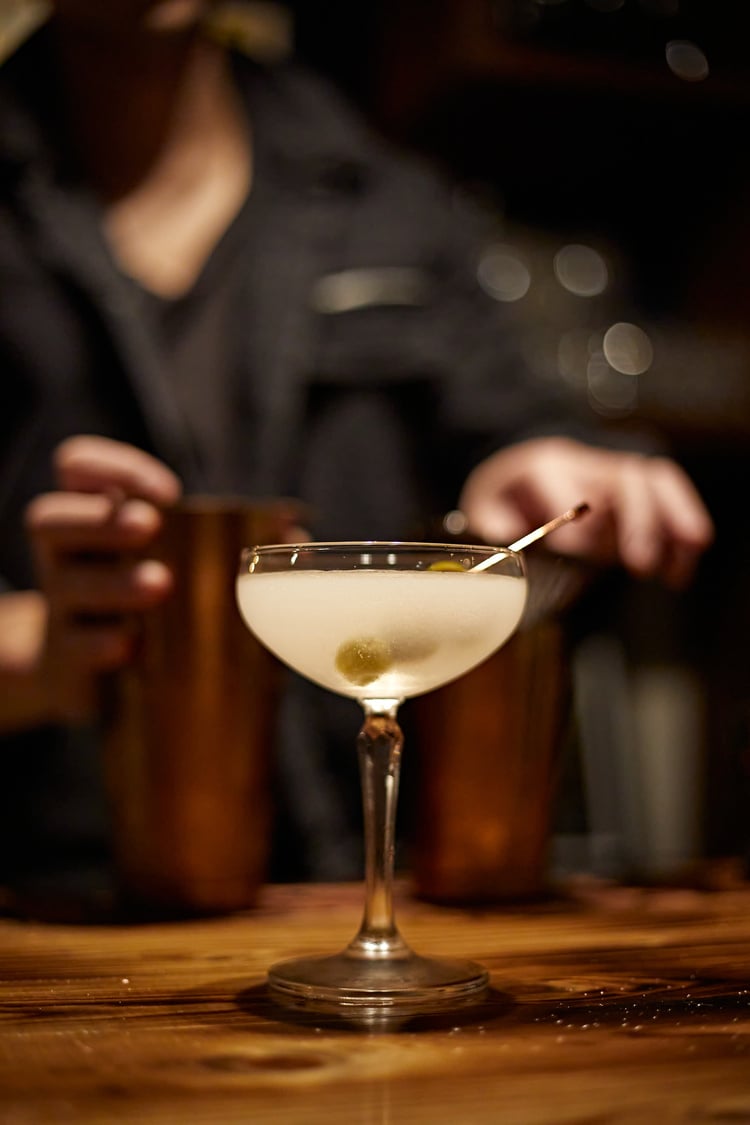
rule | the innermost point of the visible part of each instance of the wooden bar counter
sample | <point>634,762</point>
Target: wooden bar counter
<point>623,1007</point>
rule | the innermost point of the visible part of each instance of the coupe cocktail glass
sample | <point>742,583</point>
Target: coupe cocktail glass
<point>379,622</point>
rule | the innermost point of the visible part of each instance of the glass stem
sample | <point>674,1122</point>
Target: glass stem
<point>379,746</point>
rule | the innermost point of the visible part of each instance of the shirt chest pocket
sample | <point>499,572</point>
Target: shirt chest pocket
<point>376,326</point>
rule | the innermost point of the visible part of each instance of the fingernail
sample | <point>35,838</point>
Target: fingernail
<point>153,574</point>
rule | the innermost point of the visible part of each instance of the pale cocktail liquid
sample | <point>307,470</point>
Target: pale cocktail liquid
<point>381,634</point>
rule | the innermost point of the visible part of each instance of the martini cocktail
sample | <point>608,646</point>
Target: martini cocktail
<point>380,622</point>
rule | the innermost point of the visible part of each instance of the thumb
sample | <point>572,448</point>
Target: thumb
<point>494,518</point>
<point>90,463</point>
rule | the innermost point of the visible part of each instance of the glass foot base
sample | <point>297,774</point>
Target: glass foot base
<point>409,983</point>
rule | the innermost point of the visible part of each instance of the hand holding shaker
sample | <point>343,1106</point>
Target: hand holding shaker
<point>189,724</point>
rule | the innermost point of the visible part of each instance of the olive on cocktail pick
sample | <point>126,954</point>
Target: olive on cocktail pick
<point>446,564</point>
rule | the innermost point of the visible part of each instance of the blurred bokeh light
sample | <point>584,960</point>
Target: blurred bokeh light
<point>686,60</point>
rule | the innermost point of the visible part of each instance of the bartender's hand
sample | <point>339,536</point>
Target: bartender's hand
<point>646,514</point>
<point>90,541</point>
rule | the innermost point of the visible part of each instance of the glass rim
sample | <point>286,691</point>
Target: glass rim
<point>377,544</point>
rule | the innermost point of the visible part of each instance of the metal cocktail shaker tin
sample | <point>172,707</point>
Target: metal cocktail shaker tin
<point>490,750</point>
<point>189,725</point>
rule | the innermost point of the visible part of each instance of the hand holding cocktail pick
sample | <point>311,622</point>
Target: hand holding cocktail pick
<point>533,536</point>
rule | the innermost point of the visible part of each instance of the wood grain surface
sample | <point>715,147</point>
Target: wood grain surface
<point>619,1008</point>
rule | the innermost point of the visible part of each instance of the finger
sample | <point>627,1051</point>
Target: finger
<point>297,534</point>
<point>89,463</point>
<point>105,590</point>
<point>689,529</point>
<point>639,526</point>
<point>76,654</point>
<point>98,645</point>
<point>498,521</point>
<point>662,524</point>
<point>71,522</point>
<point>684,512</point>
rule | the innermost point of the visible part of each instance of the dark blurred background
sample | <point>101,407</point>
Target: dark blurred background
<point>609,139</point>
<point>619,118</point>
